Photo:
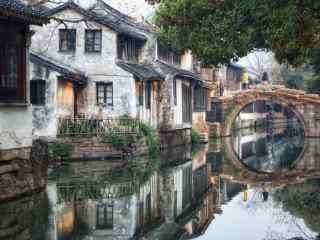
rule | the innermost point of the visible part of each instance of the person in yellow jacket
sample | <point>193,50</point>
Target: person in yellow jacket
<point>245,80</point>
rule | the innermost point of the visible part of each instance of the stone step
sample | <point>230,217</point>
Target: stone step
<point>9,168</point>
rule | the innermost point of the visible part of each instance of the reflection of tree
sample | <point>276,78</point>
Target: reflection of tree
<point>303,201</point>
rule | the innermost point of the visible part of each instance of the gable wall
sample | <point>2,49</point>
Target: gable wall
<point>99,67</point>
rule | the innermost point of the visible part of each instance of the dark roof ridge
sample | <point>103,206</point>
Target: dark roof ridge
<point>61,68</point>
<point>180,70</point>
<point>21,12</point>
<point>99,18</point>
<point>126,18</point>
<point>144,71</point>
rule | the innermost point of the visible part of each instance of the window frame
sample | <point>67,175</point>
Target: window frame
<point>129,49</point>
<point>167,55</point>
<point>106,224</point>
<point>71,34</point>
<point>38,95</point>
<point>86,42</point>
<point>174,89</point>
<point>18,93</point>
<point>139,93</point>
<point>200,99</point>
<point>105,86</point>
<point>148,94</point>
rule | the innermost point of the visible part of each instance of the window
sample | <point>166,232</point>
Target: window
<point>148,94</point>
<point>200,99</point>
<point>12,63</point>
<point>67,40</point>
<point>93,41</point>
<point>175,91</point>
<point>168,56</point>
<point>148,208</point>
<point>129,48</point>
<point>139,91</point>
<point>104,216</point>
<point>105,94</point>
<point>37,92</point>
<point>140,214</point>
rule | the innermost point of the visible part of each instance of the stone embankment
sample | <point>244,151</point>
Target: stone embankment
<point>23,171</point>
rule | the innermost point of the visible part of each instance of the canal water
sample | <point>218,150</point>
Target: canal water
<point>261,183</point>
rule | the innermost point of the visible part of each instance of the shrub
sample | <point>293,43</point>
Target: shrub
<point>60,151</point>
<point>195,137</point>
<point>151,137</point>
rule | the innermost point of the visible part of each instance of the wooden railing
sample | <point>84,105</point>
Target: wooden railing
<point>83,127</point>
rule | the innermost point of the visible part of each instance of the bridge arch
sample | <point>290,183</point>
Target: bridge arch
<point>232,115</point>
<point>305,166</point>
<point>305,106</point>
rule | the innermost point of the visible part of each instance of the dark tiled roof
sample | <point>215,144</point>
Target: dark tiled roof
<point>118,24</point>
<point>66,72</point>
<point>233,65</point>
<point>141,71</point>
<point>178,72</point>
<point>110,12</point>
<point>15,9</point>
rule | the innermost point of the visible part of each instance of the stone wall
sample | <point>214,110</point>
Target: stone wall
<point>45,117</point>
<point>175,137</point>
<point>23,171</point>
<point>25,218</point>
<point>199,123</point>
<point>84,149</point>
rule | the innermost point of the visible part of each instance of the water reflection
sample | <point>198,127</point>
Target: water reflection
<point>189,195</point>
<point>268,137</point>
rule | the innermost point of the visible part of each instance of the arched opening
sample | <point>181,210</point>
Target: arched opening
<point>266,135</point>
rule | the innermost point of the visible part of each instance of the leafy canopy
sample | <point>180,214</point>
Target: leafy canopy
<point>219,30</point>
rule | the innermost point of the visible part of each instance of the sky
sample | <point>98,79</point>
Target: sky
<point>255,220</point>
<point>134,8</point>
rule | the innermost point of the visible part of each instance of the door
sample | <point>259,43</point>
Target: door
<point>186,104</point>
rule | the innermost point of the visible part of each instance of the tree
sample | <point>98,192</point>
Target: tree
<point>217,31</point>
<point>259,63</point>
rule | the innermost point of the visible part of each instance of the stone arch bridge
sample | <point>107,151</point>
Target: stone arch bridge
<point>305,106</point>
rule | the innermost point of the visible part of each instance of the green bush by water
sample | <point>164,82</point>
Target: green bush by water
<point>60,151</point>
<point>143,131</point>
<point>195,137</point>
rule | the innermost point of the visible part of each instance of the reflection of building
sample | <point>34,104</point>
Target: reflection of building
<point>252,115</point>
<point>264,113</point>
<point>228,190</point>
<point>270,150</point>
<point>24,218</point>
<point>188,200</point>
<point>110,215</point>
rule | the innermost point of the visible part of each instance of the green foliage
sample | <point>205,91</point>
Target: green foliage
<point>143,131</point>
<point>313,85</point>
<point>195,149</point>
<point>302,78</point>
<point>151,137</point>
<point>303,201</point>
<point>60,151</point>
<point>217,31</point>
<point>195,137</point>
<point>292,78</point>
<point>120,141</point>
